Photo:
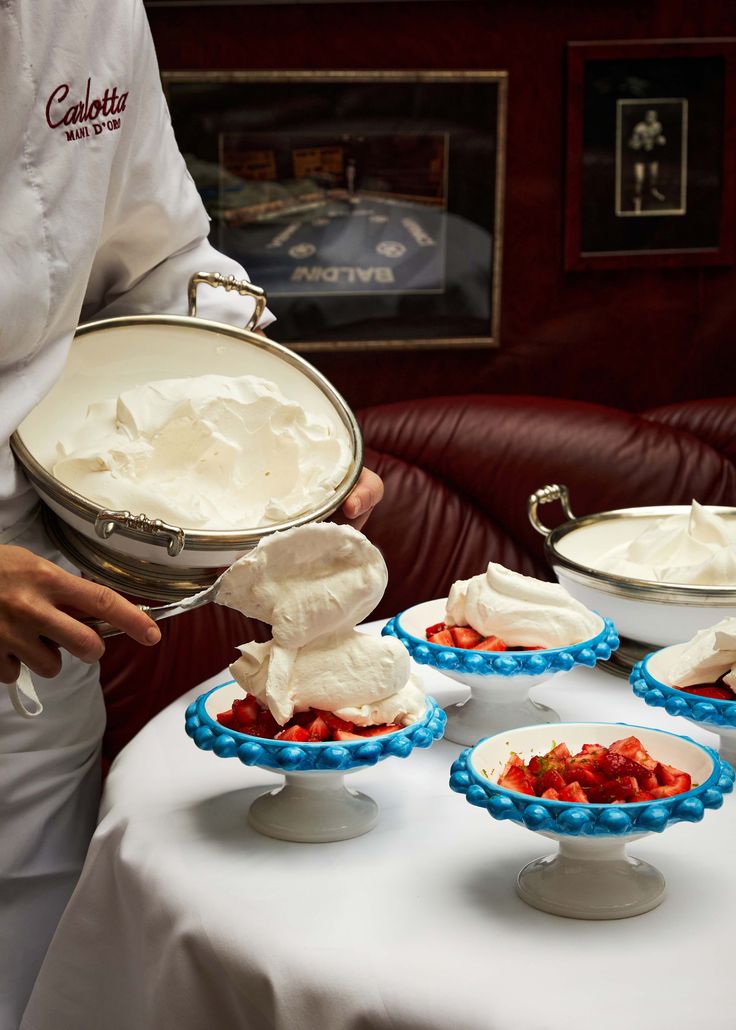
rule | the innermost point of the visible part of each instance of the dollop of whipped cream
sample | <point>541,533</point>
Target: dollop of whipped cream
<point>520,610</point>
<point>709,655</point>
<point>313,584</point>
<point>698,548</point>
<point>211,452</point>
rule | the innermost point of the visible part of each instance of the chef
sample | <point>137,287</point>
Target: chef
<point>98,217</point>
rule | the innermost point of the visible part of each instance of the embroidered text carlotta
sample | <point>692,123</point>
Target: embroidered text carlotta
<point>86,110</point>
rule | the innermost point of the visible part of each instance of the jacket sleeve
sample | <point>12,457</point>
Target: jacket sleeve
<point>154,234</point>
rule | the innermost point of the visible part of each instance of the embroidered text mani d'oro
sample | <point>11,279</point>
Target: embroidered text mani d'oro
<point>91,116</point>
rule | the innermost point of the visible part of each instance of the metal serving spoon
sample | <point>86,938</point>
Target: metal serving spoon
<point>164,611</point>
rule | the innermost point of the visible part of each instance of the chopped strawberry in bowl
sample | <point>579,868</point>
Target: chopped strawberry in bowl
<point>593,787</point>
<point>314,751</point>
<point>695,680</point>
<point>498,672</point>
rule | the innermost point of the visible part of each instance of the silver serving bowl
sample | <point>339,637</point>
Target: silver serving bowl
<point>648,614</point>
<point>128,550</point>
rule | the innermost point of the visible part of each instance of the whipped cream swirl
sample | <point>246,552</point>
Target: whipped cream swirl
<point>312,584</point>
<point>520,610</point>
<point>698,548</point>
<point>709,655</point>
<point>211,452</point>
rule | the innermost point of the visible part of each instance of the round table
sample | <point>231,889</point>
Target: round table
<point>187,918</point>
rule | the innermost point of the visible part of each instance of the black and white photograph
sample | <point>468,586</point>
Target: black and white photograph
<point>369,207</point>
<point>646,146</point>
<point>651,157</point>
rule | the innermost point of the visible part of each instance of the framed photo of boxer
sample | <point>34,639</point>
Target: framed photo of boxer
<point>368,205</point>
<point>650,176</point>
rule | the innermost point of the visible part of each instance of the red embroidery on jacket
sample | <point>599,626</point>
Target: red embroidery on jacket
<point>79,112</point>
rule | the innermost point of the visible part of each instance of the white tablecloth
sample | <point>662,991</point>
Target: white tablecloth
<point>186,918</point>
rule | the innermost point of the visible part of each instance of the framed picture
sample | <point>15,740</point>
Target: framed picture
<point>368,205</point>
<point>651,154</point>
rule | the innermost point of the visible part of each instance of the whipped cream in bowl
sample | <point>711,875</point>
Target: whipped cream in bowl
<point>335,700</point>
<point>170,446</point>
<point>660,573</point>
<point>695,680</point>
<point>522,632</point>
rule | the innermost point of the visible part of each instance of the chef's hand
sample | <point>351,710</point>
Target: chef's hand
<point>35,599</point>
<point>362,499</point>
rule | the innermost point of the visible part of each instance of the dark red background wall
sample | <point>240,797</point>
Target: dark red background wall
<point>626,338</point>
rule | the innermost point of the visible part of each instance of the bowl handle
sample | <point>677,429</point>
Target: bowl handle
<point>228,282</point>
<point>108,521</point>
<point>545,495</point>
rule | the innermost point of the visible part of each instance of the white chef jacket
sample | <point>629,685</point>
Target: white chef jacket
<point>98,214</point>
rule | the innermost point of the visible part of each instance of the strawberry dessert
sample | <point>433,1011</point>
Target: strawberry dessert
<point>501,610</point>
<point>621,773</point>
<point>317,679</point>
<point>706,665</point>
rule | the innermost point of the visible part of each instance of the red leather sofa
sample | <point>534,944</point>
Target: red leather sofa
<point>457,473</point>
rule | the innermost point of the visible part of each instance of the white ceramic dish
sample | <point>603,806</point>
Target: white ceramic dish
<point>591,876</point>
<point>652,682</point>
<point>128,550</point>
<point>314,805</point>
<point>655,614</point>
<point>499,681</point>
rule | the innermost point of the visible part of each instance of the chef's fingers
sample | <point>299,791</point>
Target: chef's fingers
<point>9,668</point>
<point>41,657</point>
<point>103,603</point>
<point>72,635</point>
<point>363,498</point>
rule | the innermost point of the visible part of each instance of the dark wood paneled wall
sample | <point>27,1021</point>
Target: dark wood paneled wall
<point>626,338</point>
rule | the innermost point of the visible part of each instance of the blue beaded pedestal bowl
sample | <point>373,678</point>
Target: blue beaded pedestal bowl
<point>650,680</point>
<point>499,681</point>
<point>591,876</point>
<point>313,805</point>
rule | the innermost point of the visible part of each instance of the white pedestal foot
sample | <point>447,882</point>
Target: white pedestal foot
<point>591,879</point>
<point>480,717</point>
<point>313,807</point>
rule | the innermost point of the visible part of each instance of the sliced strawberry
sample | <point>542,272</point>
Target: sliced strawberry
<point>443,638</point>
<point>621,789</point>
<point>560,753</point>
<point>518,779</point>
<point>716,690</point>
<point>377,731</point>
<point>550,779</point>
<point>295,733</point>
<point>333,721</point>
<point>266,725</point>
<point>490,644</point>
<point>304,718</point>
<point>465,636</point>
<point>586,773</point>
<point>346,735</point>
<point>669,776</point>
<point>643,795</point>
<point>592,749</point>
<point>614,764</point>
<point>437,628</point>
<point>226,719</point>
<point>632,747</point>
<point>574,792</point>
<point>665,792</point>
<point>551,794</point>
<point>318,729</point>
<point>514,761</point>
<point>246,710</point>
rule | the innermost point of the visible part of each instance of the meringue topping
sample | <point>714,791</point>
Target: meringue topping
<point>313,584</point>
<point>520,610</point>
<point>697,548</point>
<point>710,654</point>
<point>210,452</point>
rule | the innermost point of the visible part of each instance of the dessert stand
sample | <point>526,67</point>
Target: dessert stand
<point>647,614</point>
<point>499,681</point>
<point>314,805</point>
<point>591,876</point>
<point>650,680</point>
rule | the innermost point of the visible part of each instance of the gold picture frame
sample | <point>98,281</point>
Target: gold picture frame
<point>412,159</point>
